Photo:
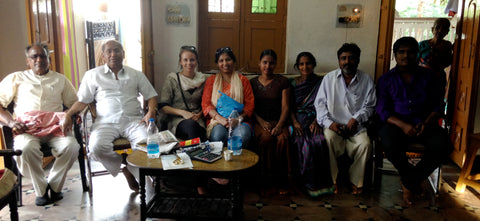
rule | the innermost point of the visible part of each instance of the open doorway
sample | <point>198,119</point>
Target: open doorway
<point>415,18</point>
<point>105,20</point>
<point>409,18</point>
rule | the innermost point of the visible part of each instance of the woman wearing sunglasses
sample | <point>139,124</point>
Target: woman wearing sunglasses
<point>234,85</point>
<point>181,97</point>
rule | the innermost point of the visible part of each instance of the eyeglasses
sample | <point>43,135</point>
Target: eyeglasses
<point>189,48</point>
<point>35,56</point>
<point>223,50</point>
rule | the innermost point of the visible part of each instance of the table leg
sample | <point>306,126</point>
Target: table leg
<point>143,204</point>
<point>237,197</point>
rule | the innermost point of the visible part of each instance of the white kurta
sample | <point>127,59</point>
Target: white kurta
<point>48,92</point>
<point>118,110</point>
<point>335,102</point>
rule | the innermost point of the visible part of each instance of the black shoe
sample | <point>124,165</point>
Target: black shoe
<point>42,200</point>
<point>55,196</point>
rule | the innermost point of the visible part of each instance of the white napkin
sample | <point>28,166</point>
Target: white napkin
<point>167,161</point>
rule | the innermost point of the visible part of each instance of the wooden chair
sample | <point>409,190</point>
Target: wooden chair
<point>120,145</point>
<point>414,153</point>
<point>47,154</point>
<point>12,192</point>
<point>467,178</point>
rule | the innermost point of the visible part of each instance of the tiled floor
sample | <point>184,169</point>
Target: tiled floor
<point>112,200</point>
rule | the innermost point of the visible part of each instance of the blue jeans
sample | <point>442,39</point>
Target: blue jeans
<point>220,133</point>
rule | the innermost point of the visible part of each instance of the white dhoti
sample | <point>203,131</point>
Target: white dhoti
<point>65,151</point>
<point>358,148</point>
<point>102,137</point>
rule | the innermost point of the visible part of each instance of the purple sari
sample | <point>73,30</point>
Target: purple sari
<point>312,150</point>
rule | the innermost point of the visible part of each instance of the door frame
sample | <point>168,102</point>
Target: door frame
<point>385,32</point>
<point>56,62</point>
<point>148,53</point>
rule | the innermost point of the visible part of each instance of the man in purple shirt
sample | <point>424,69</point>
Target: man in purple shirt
<point>409,103</point>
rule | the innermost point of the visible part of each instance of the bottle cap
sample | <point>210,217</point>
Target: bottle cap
<point>151,119</point>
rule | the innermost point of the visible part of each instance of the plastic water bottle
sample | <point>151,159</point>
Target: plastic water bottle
<point>234,142</point>
<point>153,150</point>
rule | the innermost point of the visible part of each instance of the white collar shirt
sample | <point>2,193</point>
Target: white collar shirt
<point>335,102</point>
<point>29,92</point>
<point>116,100</point>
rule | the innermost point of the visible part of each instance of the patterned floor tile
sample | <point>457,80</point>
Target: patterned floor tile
<point>112,200</point>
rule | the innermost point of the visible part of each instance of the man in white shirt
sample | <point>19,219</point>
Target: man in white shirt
<point>345,100</point>
<point>115,88</point>
<point>39,89</point>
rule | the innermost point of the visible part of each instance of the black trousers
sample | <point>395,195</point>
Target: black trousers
<point>437,148</point>
<point>189,129</point>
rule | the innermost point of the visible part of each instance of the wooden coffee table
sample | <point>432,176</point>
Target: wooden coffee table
<point>200,207</point>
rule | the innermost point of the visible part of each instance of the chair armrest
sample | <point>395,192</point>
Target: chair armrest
<point>88,121</point>
<point>92,107</point>
<point>9,153</point>
<point>8,158</point>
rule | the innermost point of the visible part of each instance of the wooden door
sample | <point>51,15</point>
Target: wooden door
<point>462,124</point>
<point>263,31</point>
<point>216,30</point>
<point>42,27</point>
<point>245,32</point>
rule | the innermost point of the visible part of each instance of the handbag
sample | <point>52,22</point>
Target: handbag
<point>226,104</point>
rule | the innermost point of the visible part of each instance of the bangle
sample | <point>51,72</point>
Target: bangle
<point>213,118</point>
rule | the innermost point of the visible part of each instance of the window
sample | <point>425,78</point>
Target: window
<point>225,6</point>
<point>264,6</point>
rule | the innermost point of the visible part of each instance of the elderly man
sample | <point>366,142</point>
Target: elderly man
<point>115,89</point>
<point>39,89</point>
<point>410,102</point>
<point>345,101</point>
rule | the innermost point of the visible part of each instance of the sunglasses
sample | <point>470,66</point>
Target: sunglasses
<point>223,50</point>
<point>189,48</point>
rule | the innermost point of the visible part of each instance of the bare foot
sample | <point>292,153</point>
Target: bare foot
<point>407,195</point>
<point>132,182</point>
<point>201,190</point>
<point>356,190</point>
<point>336,189</point>
<point>221,181</point>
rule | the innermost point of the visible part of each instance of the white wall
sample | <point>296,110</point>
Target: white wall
<point>14,37</point>
<point>167,39</point>
<point>80,45</point>
<point>311,26</point>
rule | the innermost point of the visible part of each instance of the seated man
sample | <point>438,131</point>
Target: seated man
<point>410,101</point>
<point>115,88</point>
<point>39,89</point>
<point>345,101</point>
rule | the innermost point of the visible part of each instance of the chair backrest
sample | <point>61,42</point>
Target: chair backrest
<point>9,197</point>
<point>3,146</point>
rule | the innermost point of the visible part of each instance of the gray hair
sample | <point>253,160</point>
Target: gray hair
<point>115,41</point>
<point>42,45</point>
